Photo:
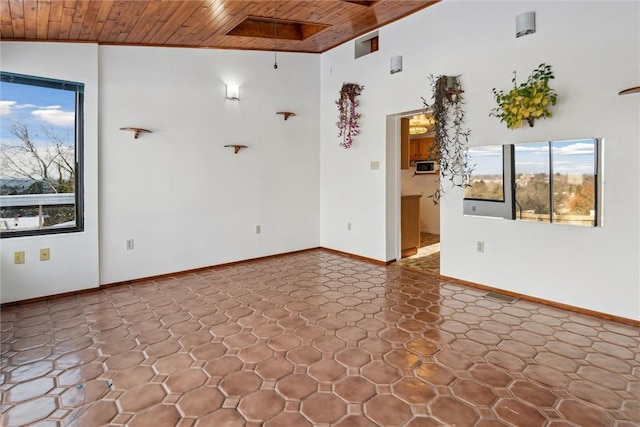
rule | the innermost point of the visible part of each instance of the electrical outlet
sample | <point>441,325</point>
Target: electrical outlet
<point>375,165</point>
<point>258,229</point>
<point>348,226</point>
<point>480,246</point>
<point>130,244</point>
<point>18,257</point>
<point>44,254</point>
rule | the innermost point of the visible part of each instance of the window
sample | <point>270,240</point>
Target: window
<point>573,169</point>
<point>40,155</point>
<point>487,179</point>
<point>556,182</point>
<point>532,184</point>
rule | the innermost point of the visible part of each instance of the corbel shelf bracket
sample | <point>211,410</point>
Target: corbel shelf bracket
<point>236,148</point>
<point>286,114</point>
<point>136,131</point>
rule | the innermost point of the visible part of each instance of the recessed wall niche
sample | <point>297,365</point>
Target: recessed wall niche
<point>366,44</point>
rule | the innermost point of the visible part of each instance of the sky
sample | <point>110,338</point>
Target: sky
<point>569,157</point>
<point>35,106</point>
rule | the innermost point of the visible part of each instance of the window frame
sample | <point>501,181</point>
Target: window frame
<point>503,200</point>
<point>78,89</point>
<point>514,177</point>
<point>596,180</point>
<point>507,209</point>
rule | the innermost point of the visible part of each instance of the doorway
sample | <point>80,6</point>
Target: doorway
<point>407,132</point>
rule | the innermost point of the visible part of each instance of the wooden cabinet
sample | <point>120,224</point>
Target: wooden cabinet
<point>413,149</point>
<point>420,149</point>
<point>404,143</point>
<point>409,225</point>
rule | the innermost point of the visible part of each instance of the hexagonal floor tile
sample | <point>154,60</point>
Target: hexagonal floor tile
<point>273,369</point>
<point>141,397</point>
<point>354,389</point>
<point>201,401</point>
<point>157,416</point>
<point>261,405</point>
<point>323,408</point>
<point>296,386</point>
<point>452,411</point>
<point>388,410</point>
<point>240,383</point>
<point>188,379</point>
<point>312,338</point>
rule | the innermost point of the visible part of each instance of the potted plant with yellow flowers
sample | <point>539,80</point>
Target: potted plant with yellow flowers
<point>526,101</point>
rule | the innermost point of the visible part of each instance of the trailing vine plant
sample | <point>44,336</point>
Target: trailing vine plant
<point>451,138</point>
<point>347,115</point>
<point>526,101</point>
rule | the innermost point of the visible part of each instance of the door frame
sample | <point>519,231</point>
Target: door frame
<point>394,183</point>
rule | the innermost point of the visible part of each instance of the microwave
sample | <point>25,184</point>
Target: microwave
<point>427,166</point>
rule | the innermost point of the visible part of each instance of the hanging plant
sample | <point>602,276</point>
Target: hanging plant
<point>347,115</point>
<point>526,101</point>
<point>450,136</point>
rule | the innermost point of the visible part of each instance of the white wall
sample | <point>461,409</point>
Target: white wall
<point>593,58</point>
<point>185,199</point>
<point>188,202</point>
<point>74,256</point>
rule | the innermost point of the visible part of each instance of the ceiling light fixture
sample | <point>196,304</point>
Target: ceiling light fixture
<point>417,130</point>
<point>421,123</point>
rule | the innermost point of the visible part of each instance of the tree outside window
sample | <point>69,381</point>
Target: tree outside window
<point>41,141</point>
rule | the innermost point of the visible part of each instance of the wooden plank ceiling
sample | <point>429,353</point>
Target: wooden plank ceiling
<point>286,25</point>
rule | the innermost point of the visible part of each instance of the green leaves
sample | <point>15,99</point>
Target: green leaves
<point>451,137</point>
<point>526,101</point>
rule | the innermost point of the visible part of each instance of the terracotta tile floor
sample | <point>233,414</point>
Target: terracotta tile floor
<point>312,339</point>
<point>428,257</point>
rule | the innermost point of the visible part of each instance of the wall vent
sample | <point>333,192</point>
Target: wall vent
<point>501,297</point>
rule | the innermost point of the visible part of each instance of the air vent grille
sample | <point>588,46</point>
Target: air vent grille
<point>501,297</point>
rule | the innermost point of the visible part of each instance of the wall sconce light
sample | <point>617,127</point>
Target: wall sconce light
<point>396,64</point>
<point>233,93</point>
<point>525,24</point>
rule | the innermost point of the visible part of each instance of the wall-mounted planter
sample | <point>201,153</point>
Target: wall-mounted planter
<point>527,101</point>
<point>347,114</point>
<point>451,137</point>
